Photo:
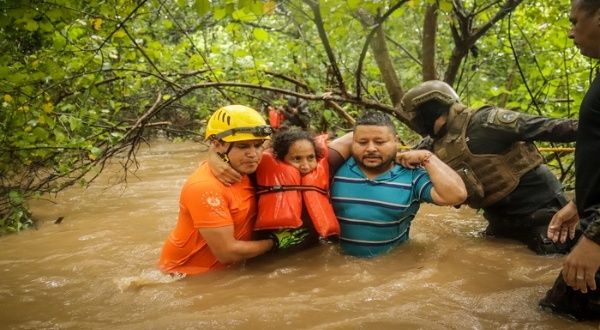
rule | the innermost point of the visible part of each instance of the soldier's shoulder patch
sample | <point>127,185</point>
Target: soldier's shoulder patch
<point>507,116</point>
<point>503,117</point>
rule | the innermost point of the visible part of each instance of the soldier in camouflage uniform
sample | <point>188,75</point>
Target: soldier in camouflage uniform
<point>493,151</point>
<point>575,291</point>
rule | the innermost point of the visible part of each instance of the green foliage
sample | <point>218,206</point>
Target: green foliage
<point>18,217</point>
<point>82,81</point>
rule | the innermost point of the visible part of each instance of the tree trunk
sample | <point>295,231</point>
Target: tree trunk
<point>386,67</point>
<point>428,46</point>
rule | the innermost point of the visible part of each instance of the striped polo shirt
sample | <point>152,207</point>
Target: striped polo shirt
<point>375,214</point>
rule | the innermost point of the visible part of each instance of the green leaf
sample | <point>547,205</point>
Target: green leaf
<point>120,34</point>
<point>195,62</point>
<point>446,6</point>
<point>31,25</point>
<point>4,71</point>
<point>167,24</point>
<point>353,4</point>
<point>260,34</point>
<point>76,32</point>
<point>15,197</point>
<point>40,134</point>
<point>54,14</point>
<point>328,115</point>
<point>220,13</point>
<point>243,15</point>
<point>74,123</point>
<point>202,7</point>
<point>244,3</point>
<point>59,136</point>
<point>240,53</point>
<point>58,40</point>
<point>96,151</point>
<point>46,26</point>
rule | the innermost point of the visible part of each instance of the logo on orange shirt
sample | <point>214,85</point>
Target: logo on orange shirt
<point>215,203</point>
<point>212,199</point>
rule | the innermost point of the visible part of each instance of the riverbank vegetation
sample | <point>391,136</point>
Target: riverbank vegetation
<point>83,82</point>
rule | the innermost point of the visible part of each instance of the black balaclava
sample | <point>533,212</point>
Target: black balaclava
<point>427,114</point>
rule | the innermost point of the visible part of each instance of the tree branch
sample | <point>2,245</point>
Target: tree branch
<point>122,23</point>
<point>465,36</point>
<point>382,58</point>
<point>318,19</point>
<point>428,46</point>
<point>377,27</point>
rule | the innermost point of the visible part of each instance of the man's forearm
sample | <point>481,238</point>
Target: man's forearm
<point>227,249</point>
<point>242,250</point>
<point>446,182</point>
<point>343,144</point>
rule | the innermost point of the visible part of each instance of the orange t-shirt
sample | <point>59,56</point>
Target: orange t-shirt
<point>206,203</point>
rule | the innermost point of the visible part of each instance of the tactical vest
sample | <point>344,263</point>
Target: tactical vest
<point>488,177</point>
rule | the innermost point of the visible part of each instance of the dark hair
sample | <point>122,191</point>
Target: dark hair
<point>376,118</point>
<point>282,141</point>
<point>426,115</point>
<point>590,6</point>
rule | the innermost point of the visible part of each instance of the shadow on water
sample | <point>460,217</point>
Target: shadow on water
<point>97,269</point>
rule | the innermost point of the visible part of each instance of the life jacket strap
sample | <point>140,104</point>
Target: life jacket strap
<point>279,188</point>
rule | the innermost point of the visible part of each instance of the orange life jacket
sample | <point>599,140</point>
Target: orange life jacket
<point>282,191</point>
<point>276,117</point>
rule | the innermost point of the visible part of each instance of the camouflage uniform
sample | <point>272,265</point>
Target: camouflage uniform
<point>524,212</point>
<point>522,205</point>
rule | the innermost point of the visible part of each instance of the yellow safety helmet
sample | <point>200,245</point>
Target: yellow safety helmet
<point>234,123</point>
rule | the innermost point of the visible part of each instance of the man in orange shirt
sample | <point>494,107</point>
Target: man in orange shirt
<point>215,222</point>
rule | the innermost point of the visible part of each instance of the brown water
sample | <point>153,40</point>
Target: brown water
<point>96,270</point>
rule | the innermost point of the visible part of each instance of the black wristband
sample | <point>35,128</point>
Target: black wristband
<point>273,238</point>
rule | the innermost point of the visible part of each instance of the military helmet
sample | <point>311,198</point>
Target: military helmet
<point>234,123</point>
<point>430,90</point>
<point>420,111</point>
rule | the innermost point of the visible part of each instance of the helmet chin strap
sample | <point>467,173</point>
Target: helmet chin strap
<point>225,155</point>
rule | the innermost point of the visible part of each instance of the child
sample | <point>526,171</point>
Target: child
<point>293,186</point>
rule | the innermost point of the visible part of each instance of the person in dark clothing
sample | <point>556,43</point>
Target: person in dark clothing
<point>296,113</point>
<point>575,291</point>
<point>493,151</point>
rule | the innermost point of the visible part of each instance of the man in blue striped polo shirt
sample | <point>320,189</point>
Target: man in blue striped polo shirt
<point>376,199</point>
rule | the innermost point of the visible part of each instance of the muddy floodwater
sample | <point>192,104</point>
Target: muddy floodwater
<point>97,270</point>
